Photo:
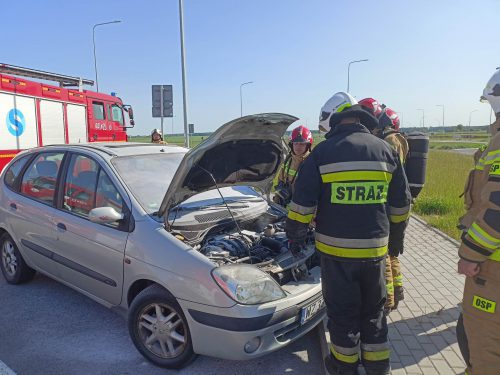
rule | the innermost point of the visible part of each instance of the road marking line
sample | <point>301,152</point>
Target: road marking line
<point>4,370</point>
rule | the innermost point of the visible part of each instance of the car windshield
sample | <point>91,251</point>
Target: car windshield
<point>148,176</point>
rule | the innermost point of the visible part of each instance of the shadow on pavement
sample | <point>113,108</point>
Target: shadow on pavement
<point>423,336</point>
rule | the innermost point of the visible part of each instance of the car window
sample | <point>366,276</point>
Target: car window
<point>117,114</point>
<point>13,171</point>
<point>39,180</point>
<point>98,109</point>
<point>80,185</point>
<point>87,186</point>
<point>107,195</point>
<point>148,176</point>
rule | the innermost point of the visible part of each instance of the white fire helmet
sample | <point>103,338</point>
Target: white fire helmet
<point>336,103</point>
<point>492,92</point>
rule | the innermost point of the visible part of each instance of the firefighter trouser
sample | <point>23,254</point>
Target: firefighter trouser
<point>481,315</point>
<point>393,280</point>
<point>354,294</point>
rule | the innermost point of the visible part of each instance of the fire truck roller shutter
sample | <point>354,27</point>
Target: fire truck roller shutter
<point>52,117</point>
<point>77,124</point>
<point>18,126</point>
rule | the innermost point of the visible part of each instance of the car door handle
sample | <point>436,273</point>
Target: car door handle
<point>13,206</point>
<point>61,226</point>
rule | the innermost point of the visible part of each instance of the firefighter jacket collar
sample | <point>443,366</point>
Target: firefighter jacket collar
<point>347,129</point>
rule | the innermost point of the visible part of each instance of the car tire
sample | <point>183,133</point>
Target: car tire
<point>14,268</point>
<point>165,341</point>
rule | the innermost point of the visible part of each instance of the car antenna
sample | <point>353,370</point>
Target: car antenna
<point>225,203</point>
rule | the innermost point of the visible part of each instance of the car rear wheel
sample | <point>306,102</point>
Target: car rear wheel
<point>159,328</point>
<point>14,268</point>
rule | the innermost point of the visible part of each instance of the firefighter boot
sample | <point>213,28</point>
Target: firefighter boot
<point>335,368</point>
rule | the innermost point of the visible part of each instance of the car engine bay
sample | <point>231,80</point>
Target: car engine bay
<point>256,238</point>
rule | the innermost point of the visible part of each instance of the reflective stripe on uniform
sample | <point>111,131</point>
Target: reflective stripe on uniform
<point>483,238</point>
<point>390,288</point>
<point>491,157</point>
<point>344,252</point>
<point>292,172</point>
<point>306,219</point>
<point>356,166</point>
<point>399,214</point>
<point>495,256</point>
<point>361,243</point>
<point>347,355</point>
<point>303,210</point>
<point>376,352</point>
<point>398,280</point>
<point>356,176</point>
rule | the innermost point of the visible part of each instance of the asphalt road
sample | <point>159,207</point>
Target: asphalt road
<point>47,328</point>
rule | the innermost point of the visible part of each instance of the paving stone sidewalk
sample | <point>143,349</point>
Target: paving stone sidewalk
<point>422,330</point>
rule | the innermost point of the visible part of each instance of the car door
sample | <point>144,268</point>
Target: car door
<point>93,253</point>
<point>30,205</point>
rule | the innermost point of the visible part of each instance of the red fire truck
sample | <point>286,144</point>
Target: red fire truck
<point>35,114</point>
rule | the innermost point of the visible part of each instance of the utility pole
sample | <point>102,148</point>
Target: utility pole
<point>241,96</point>
<point>183,63</point>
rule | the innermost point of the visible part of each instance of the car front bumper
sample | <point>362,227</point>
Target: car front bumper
<point>246,332</point>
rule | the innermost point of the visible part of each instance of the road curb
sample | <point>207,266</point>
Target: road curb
<point>435,230</point>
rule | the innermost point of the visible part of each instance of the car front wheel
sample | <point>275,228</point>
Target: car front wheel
<point>14,268</point>
<point>159,329</point>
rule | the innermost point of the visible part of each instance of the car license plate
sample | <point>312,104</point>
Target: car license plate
<point>312,309</point>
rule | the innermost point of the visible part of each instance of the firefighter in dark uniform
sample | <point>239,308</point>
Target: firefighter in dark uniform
<point>356,185</point>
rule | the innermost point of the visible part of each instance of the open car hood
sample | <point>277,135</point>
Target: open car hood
<point>246,151</point>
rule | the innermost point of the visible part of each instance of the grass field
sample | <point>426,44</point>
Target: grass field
<point>176,139</point>
<point>439,203</point>
<point>442,145</point>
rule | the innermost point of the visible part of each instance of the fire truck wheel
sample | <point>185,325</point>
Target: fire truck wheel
<point>14,268</point>
<point>159,328</point>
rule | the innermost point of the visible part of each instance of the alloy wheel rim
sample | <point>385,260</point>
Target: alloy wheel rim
<point>9,259</point>
<point>162,330</point>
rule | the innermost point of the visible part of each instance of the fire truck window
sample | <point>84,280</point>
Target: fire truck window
<point>108,196</point>
<point>39,180</point>
<point>80,185</point>
<point>117,114</point>
<point>98,109</point>
<point>13,171</point>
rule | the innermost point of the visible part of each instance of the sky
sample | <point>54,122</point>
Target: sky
<point>420,54</point>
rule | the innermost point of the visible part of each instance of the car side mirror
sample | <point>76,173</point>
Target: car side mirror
<point>104,215</point>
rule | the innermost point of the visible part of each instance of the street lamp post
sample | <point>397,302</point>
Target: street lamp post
<point>470,116</point>
<point>93,41</point>
<point>184,84</point>
<point>442,106</point>
<point>349,69</point>
<point>423,116</point>
<point>241,96</point>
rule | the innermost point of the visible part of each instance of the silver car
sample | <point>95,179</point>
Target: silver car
<point>186,242</point>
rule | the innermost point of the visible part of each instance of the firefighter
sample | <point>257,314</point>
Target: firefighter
<point>388,130</point>
<point>300,143</point>
<point>356,185</point>
<point>156,137</point>
<point>479,251</point>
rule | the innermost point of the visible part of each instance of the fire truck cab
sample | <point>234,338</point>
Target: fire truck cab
<point>37,114</point>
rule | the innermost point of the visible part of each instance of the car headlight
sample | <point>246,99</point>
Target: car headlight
<point>247,284</point>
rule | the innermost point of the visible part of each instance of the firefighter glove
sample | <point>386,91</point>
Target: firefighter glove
<point>396,238</point>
